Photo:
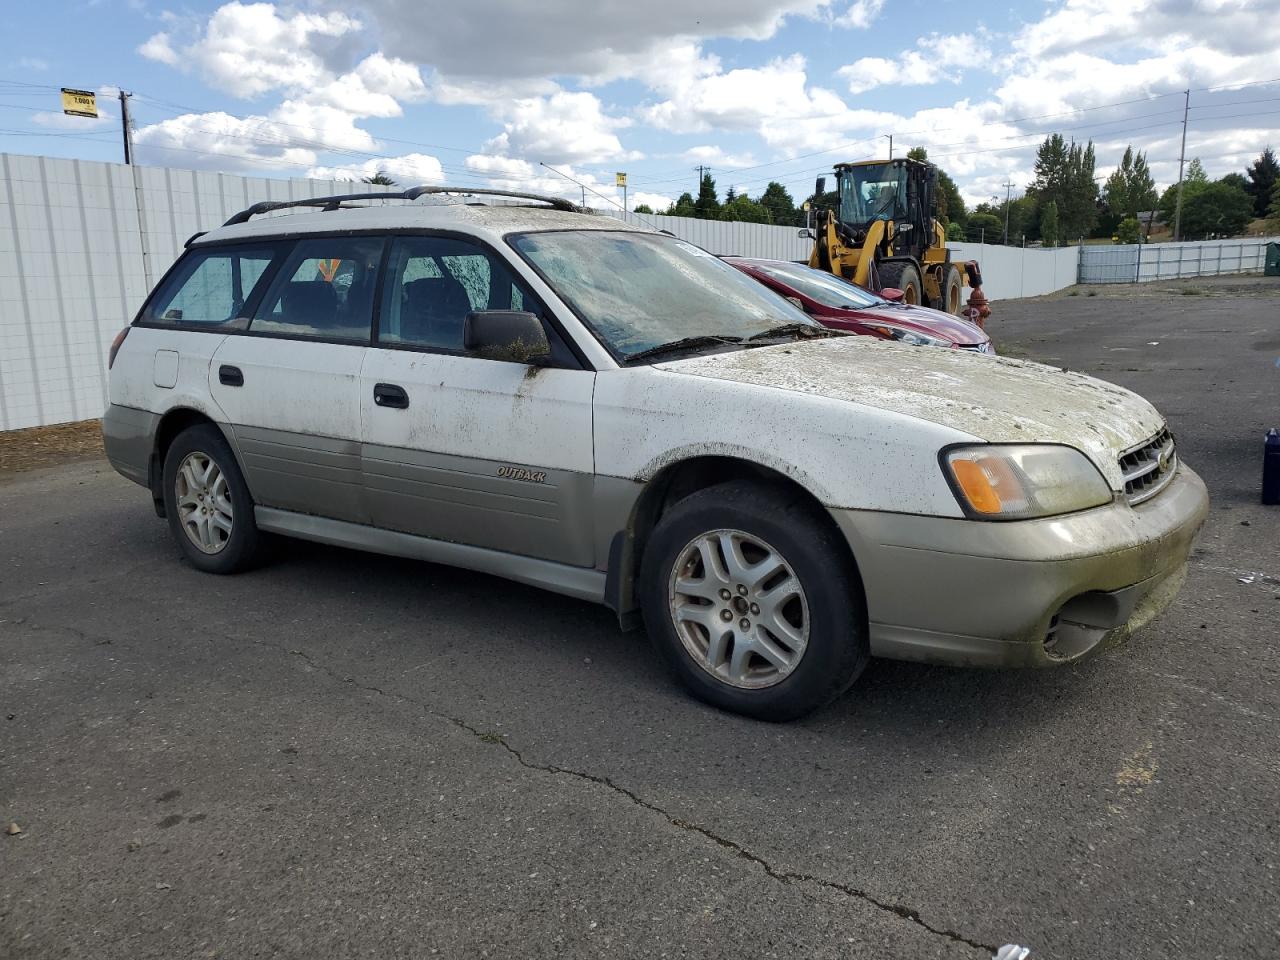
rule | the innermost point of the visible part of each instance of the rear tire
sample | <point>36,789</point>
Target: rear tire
<point>904,276</point>
<point>207,503</point>
<point>950,287</point>
<point>749,597</point>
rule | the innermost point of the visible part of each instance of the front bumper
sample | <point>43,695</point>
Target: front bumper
<point>1023,593</point>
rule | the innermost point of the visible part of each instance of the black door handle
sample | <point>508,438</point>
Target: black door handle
<point>231,376</point>
<point>389,395</point>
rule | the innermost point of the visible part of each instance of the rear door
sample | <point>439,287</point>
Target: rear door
<point>470,449</point>
<point>290,386</point>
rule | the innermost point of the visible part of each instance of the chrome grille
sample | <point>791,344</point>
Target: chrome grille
<point>1149,468</point>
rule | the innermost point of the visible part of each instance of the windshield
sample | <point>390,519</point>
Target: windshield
<point>638,291</point>
<point>828,289</point>
<point>874,191</point>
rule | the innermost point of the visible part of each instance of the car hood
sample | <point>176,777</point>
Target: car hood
<point>996,399</point>
<point>931,321</point>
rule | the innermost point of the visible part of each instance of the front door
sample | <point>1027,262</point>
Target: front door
<point>468,449</point>
<point>291,387</point>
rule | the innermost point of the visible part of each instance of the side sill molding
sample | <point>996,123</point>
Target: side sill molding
<point>580,582</point>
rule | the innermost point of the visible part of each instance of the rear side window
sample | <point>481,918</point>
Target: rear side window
<point>210,288</point>
<point>324,289</point>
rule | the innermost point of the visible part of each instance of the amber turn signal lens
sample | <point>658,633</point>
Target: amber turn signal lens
<point>975,485</point>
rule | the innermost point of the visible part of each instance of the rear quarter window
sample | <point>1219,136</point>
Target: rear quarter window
<point>210,288</point>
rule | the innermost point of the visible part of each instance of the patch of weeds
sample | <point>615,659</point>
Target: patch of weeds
<point>1073,293</point>
<point>1190,291</point>
<point>491,737</point>
<point>1092,293</point>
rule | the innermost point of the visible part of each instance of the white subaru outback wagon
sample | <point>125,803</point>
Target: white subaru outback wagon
<point>609,412</point>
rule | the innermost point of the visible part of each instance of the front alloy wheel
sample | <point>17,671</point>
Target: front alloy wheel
<point>739,609</point>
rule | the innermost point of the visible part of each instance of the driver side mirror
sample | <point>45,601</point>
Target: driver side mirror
<point>819,188</point>
<point>892,294</point>
<point>797,302</point>
<point>512,335</point>
<point>805,234</point>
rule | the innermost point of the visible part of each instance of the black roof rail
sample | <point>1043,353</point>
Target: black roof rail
<point>413,193</point>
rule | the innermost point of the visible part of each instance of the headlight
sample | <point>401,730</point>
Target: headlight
<point>1020,481</point>
<point>913,337</point>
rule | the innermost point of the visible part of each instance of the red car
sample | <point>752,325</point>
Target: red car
<point>837,303</point>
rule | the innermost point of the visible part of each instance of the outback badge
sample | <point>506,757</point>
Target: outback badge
<point>520,473</point>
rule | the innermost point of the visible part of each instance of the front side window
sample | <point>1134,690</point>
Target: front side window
<point>826,288</point>
<point>210,288</point>
<point>640,291</point>
<point>324,289</point>
<point>432,283</point>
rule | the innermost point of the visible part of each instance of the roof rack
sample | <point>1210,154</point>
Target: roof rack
<point>413,193</point>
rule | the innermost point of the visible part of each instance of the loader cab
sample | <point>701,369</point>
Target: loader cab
<point>900,191</point>
<point>872,191</point>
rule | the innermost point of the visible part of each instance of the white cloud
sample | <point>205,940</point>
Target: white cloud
<point>37,64</point>
<point>409,170</point>
<point>713,156</point>
<point>61,121</point>
<point>656,201</point>
<point>159,48</point>
<point>861,13</point>
<point>562,128</point>
<point>937,58</point>
<point>250,49</point>
<point>513,38</point>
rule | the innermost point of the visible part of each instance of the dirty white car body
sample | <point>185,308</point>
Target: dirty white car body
<point>563,475</point>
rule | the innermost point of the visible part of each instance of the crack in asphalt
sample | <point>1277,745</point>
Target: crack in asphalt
<point>786,877</point>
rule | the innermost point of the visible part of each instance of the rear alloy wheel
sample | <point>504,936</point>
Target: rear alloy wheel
<point>207,502</point>
<point>749,596</point>
<point>950,288</point>
<point>906,278</point>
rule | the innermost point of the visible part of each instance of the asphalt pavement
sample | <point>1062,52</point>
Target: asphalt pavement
<point>342,755</point>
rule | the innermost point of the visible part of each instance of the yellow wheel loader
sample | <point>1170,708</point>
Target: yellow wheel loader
<point>884,233</point>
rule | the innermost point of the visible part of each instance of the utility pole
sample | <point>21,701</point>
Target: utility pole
<point>889,137</point>
<point>1182,156</point>
<point>127,128</point>
<point>1008,187</point>
<point>702,172</point>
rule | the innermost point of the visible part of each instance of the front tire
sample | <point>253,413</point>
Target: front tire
<point>904,276</point>
<point>207,503</point>
<point>749,597</point>
<point>951,290</point>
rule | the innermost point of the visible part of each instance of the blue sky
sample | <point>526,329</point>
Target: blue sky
<point>486,92</point>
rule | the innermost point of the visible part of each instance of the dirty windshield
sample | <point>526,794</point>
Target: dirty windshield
<point>641,291</point>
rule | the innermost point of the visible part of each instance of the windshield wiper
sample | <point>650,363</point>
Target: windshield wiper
<point>684,343</point>
<point>803,330</point>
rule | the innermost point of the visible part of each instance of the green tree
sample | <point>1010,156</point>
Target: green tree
<point>1236,180</point>
<point>1263,173</point>
<point>1273,211</point>
<point>1194,180</point>
<point>743,208</point>
<point>379,178</point>
<point>955,231</point>
<point>1195,172</point>
<point>683,207</point>
<point>985,227</point>
<point>707,206</point>
<point>1064,177</point>
<point>782,209</point>
<point>1215,210</point>
<point>1129,231</point>
<point>642,208</point>
<point>1130,190</point>
<point>1049,224</point>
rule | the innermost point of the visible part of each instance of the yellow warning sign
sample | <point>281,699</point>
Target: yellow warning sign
<point>620,179</point>
<point>79,103</point>
<point>328,268</point>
